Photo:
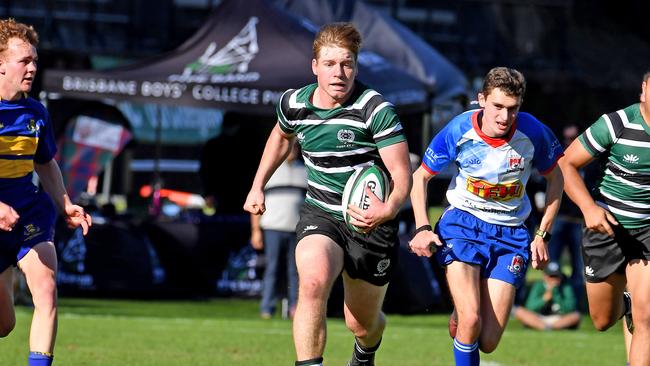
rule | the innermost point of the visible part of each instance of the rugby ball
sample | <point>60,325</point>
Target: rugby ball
<point>355,190</point>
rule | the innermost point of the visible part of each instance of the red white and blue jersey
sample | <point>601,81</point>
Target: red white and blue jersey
<point>492,173</point>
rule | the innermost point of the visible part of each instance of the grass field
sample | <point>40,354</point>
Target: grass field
<point>229,333</point>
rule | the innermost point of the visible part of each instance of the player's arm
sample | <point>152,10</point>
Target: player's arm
<point>276,150</point>
<point>52,181</point>
<point>396,159</point>
<point>596,218</point>
<point>554,185</point>
<point>421,242</point>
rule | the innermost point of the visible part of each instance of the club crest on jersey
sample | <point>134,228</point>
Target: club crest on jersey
<point>515,163</point>
<point>495,191</point>
<point>33,126</point>
<point>346,137</point>
<point>517,265</point>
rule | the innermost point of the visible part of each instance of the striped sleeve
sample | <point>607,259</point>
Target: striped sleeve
<point>385,125</point>
<point>601,135</point>
<point>283,111</point>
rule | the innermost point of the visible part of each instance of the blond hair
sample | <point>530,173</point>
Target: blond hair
<point>342,34</point>
<point>9,28</point>
<point>510,81</point>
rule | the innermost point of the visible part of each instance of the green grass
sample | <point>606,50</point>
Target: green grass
<point>229,333</point>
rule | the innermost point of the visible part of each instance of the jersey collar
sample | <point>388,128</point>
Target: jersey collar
<point>492,141</point>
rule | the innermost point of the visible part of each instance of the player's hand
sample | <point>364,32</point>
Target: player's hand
<point>255,202</point>
<point>600,220</point>
<point>425,243</point>
<point>75,216</point>
<point>538,253</point>
<point>8,217</point>
<point>377,213</point>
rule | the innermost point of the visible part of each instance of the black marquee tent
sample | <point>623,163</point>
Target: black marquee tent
<point>241,60</point>
<point>389,38</point>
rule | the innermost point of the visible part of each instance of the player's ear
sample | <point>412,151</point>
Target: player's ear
<point>481,100</point>
<point>314,63</point>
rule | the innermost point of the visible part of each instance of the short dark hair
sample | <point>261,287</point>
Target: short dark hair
<point>510,81</point>
<point>646,76</point>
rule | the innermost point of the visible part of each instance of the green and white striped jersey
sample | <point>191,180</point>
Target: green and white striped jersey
<point>625,187</point>
<point>337,141</point>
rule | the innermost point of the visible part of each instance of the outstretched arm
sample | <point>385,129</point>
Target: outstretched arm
<point>52,181</point>
<point>276,150</point>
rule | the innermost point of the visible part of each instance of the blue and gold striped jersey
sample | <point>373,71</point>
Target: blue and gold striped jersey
<point>26,137</point>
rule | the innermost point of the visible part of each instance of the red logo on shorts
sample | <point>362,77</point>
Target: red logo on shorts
<point>517,265</point>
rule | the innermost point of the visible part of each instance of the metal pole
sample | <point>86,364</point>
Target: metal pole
<point>157,185</point>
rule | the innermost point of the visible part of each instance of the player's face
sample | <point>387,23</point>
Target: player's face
<point>335,70</point>
<point>645,100</point>
<point>18,68</point>
<point>499,112</point>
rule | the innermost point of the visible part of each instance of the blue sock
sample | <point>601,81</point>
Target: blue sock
<point>40,359</point>
<point>466,354</point>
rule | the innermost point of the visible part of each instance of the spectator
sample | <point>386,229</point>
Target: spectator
<point>275,231</point>
<point>551,303</point>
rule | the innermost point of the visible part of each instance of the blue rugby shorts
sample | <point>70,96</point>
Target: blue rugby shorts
<point>35,225</point>
<point>501,251</point>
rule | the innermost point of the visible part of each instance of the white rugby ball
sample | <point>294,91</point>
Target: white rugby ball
<point>355,190</point>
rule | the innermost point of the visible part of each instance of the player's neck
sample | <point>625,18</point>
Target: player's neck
<point>645,112</point>
<point>10,95</point>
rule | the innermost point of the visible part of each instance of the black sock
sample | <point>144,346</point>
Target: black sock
<point>627,304</point>
<point>312,362</point>
<point>364,355</point>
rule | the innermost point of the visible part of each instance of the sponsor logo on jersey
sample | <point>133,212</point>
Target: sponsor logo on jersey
<point>474,161</point>
<point>516,265</point>
<point>555,146</point>
<point>309,228</point>
<point>433,155</point>
<point>497,192</point>
<point>589,271</point>
<point>631,158</point>
<point>300,136</point>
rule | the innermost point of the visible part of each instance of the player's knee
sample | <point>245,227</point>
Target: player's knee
<point>312,288</point>
<point>602,322</point>
<point>470,323</point>
<point>361,328</point>
<point>488,346</point>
